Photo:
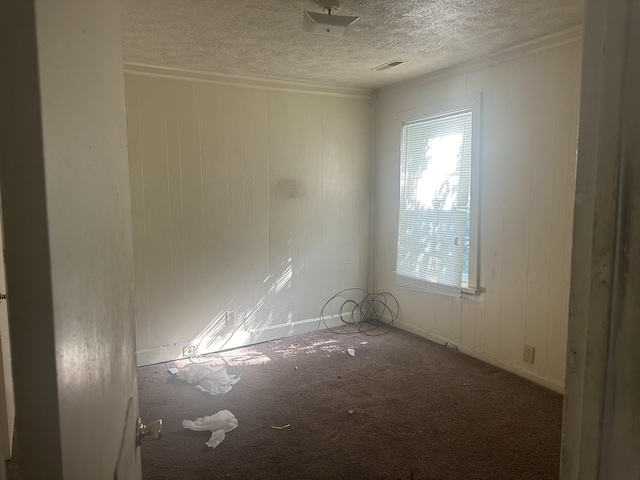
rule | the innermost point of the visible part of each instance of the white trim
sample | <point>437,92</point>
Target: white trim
<point>546,382</point>
<point>234,337</point>
<point>472,101</point>
<point>472,291</point>
<point>419,285</point>
<point>571,35</point>
<point>474,192</point>
<point>601,427</point>
<point>244,81</point>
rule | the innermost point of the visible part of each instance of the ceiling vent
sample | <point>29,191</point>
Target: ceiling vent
<point>387,66</point>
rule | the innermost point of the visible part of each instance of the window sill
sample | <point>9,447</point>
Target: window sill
<point>472,291</point>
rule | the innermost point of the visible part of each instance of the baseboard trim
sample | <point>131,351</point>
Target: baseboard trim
<point>234,337</point>
<point>509,367</point>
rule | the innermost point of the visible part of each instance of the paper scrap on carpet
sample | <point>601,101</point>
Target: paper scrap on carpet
<point>218,424</point>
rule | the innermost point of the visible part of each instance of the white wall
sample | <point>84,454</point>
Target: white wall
<point>252,199</point>
<point>528,150</point>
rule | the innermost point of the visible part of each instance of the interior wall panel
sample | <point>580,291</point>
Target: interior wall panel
<point>528,154</point>
<point>541,209</point>
<point>178,302</point>
<point>190,154</point>
<point>155,184</point>
<point>251,208</point>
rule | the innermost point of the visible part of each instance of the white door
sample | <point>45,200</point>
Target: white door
<point>7,405</point>
<point>67,230</point>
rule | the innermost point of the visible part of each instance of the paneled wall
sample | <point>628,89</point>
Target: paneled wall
<point>250,209</point>
<point>528,152</point>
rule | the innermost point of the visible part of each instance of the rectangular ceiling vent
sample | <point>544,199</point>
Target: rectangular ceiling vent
<point>388,65</point>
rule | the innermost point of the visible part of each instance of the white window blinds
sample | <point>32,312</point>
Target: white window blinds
<point>433,232</point>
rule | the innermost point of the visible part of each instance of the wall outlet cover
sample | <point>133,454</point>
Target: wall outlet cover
<point>529,354</point>
<point>189,350</point>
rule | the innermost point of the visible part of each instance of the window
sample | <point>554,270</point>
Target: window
<point>438,218</point>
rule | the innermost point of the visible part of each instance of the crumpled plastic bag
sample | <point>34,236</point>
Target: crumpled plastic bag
<point>211,379</point>
<point>216,439</point>
<point>219,423</point>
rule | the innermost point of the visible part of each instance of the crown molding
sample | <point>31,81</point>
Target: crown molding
<point>244,81</point>
<point>571,35</point>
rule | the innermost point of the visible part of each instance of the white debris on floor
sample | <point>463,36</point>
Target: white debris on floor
<point>218,424</point>
<point>211,379</point>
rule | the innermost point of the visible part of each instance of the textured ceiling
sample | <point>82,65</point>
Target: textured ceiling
<point>265,39</point>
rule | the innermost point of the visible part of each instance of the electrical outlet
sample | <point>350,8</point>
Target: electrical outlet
<point>529,354</point>
<point>230,318</point>
<point>189,350</point>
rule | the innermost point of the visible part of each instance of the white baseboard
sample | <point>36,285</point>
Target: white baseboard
<point>237,337</point>
<point>549,383</point>
<point>234,337</point>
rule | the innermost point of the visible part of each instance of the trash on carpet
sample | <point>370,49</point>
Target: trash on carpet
<point>218,424</point>
<point>351,352</point>
<point>211,379</point>
<point>274,427</point>
<point>364,343</point>
<point>350,412</point>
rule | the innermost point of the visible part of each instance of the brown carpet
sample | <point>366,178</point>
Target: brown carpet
<point>419,411</point>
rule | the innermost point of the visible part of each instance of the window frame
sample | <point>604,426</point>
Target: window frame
<point>474,104</point>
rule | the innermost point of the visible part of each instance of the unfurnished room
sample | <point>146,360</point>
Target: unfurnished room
<point>320,240</point>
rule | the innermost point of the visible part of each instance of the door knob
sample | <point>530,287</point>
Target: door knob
<point>3,296</point>
<point>153,430</point>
